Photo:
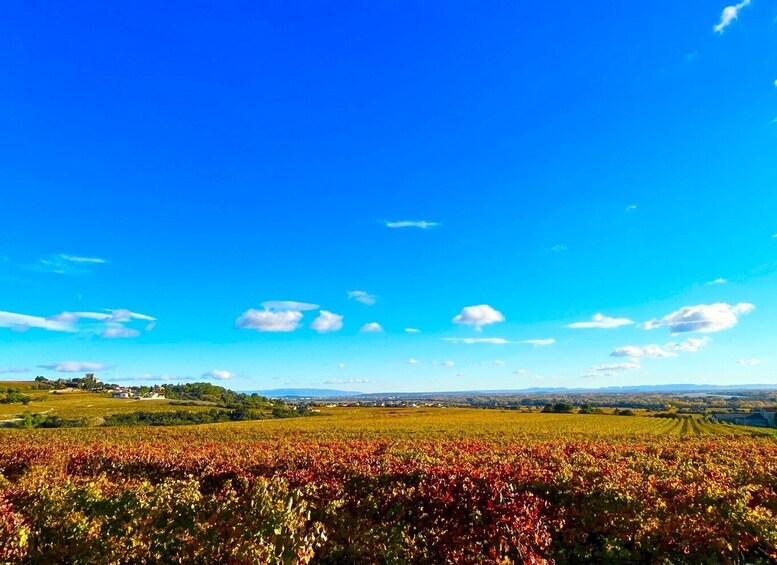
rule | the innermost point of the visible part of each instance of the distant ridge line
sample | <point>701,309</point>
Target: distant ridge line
<point>688,387</point>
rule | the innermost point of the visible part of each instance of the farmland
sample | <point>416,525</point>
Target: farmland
<point>363,485</point>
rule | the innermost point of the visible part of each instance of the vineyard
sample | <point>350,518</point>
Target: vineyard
<point>393,486</point>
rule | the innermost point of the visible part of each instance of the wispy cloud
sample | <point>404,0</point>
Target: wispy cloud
<point>327,322</point>
<point>539,342</point>
<point>219,375</point>
<point>23,322</point>
<point>363,297</point>
<point>120,315</point>
<point>635,352</point>
<point>602,322</point>
<point>112,322</point>
<point>747,362</point>
<point>76,367</point>
<point>729,14</point>
<point>631,207</point>
<point>412,361</point>
<point>346,381</point>
<point>77,259</point>
<point>472,340</point>
<point>66,264</point>
<point>478,316</point>
<point>12,370</point>
<point>598,374</point>
<point>615,367</point>
<point>704,318</point>
<point>716,282</point>
<point>421,224</point>
<point>412,331</point>
<point>498,362</point>
<point>692,344</point>
<point>119,331</point>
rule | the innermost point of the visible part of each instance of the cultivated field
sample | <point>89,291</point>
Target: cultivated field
<point>380,485</point>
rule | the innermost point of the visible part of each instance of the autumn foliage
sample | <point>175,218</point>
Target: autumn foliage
<point>188,498</point>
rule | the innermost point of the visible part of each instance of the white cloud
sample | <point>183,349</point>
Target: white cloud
<point>118,331</point>
<point>371,327</point>
<point>219,375</point>
<point>422,224</point>
<point>412,331</point>
<point>557,248</point>
<point>601,321</point>
<point>747,362</point>
<point>729,14</point>
<point>12,370</point>
<point>716,282</point>
<point>704,318</point>
<point>289,305</point>
<point>471,340</point>
<point>447,363</point>
<point>478,316</point>
<point>269,321</point>
<point>498,362</point>
<point>76,367</point>
<point>277,316</point>
<point>631,207</point>
<point>539,342</point>
<point>519,372</point>
<point>341,366</point>
<point>615,367</point>
<point>327,322</point>
<point>412,361</point>
<point>363,297</point>
<point>23,322</point>
<point>671,349</point>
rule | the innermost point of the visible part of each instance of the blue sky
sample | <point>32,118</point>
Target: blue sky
<point>187,188</point>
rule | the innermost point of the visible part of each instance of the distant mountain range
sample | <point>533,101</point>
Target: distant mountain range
<point>672,388</point>
<point>304,392</point>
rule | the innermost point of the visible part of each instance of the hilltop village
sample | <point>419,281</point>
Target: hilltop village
<point>91,383</point>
